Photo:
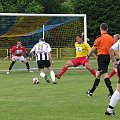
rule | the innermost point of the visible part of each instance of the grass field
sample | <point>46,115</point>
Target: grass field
<point>67,100</point>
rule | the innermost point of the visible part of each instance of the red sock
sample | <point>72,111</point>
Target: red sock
<point>112,73</point>
<point>93,72</point>
<point>116,72</point>
<point>64,69</point>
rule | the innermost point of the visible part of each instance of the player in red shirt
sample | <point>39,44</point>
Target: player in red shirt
<point>17,55</point>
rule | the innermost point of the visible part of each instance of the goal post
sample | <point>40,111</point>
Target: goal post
<point>59,30</point>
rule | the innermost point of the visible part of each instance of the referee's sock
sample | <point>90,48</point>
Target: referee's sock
<point>95,85</point>
<point>109,86</point>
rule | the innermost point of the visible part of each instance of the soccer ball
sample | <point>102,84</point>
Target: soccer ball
<point>35,80</point>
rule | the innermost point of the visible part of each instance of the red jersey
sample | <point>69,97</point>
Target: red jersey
<point>18,51</point>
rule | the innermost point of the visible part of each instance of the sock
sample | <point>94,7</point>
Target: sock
<point>111,73</point>
<point>52,74</point>
<point>92,71</point>
<point>64,69</point>
<point>109,86</point>
<point>95,85</point>
<point>42,74</point>
<point>11,65</point>
<point>27,66</point>
<point>114,99</point>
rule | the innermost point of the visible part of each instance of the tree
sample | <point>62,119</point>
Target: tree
<point>99,11</point>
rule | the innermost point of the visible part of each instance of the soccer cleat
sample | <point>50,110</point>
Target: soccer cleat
<point>8,72</point>
<point>54,83</point>
<point>57,76</point>
<point>30,71</point>
<point>110,113</point>
<point>109,96</point>
<point>89,93</point>
<point>47,80</point>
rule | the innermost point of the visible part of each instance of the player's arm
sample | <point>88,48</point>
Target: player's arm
<point>50,57</point>
<point>33,51</point>
<point>8,56</point>
<point>91,51</point>
<point>9,53</point>
<point>94,55</point>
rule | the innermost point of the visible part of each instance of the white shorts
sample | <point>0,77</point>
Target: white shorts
<point>18,58</point>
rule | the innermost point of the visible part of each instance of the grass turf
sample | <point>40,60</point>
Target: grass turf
<point>67,100</point>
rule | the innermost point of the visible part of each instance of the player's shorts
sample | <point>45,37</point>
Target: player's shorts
<point>103,62</point>
<point>79,61</point>
<point>43,63</point>
<point>18,58</point>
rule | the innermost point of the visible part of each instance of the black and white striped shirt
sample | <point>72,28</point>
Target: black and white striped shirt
<point>41,49</point>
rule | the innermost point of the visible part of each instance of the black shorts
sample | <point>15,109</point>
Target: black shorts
<point>103,62</point>
<point>43,63</point>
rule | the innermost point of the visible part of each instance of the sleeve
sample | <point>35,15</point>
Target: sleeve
<point>33,49</point>
<point>49,48</point>
<point>12,49</point>
<point>96,43</point>
<point>24,50</point>
<point>116,46</point>
<point>87,46</point>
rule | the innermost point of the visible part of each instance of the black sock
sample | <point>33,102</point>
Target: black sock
<point>11,65</point>
<point>27,66</point>
<point>96,83</point>
<point>111,107</point>
<point>109,86</point>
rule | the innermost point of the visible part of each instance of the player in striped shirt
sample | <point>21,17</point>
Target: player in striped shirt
<point>82,49</point>
<point>43,58</point>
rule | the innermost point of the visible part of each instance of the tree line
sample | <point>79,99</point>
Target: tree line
<point>97,11</point>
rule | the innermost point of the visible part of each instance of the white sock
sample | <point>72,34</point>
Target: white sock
<point>52,74</point>
<point>114,99</point>
<point>42,74</point>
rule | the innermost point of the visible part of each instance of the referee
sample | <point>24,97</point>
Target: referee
<point>103,44</point>
<point>43,58</point>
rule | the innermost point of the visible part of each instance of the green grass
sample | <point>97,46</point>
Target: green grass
<point>21,100</point>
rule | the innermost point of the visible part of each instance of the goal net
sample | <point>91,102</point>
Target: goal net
<point>59,30</point>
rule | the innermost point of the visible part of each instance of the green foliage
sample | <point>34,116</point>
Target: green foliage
<point>99,11</point>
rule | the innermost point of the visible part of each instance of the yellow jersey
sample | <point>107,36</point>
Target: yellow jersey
<point>82,49</point>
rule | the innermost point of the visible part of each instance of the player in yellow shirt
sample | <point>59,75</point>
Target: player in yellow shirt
<point>82,49</point>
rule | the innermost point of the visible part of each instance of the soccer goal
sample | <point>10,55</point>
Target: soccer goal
<point>59,30</point>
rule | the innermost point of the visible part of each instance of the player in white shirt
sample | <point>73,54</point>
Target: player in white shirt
<point>116,96</point>
<point>43,58</point>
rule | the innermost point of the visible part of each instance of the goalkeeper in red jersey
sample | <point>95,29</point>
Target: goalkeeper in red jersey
<point>82,49</point>
<point>17,55</point>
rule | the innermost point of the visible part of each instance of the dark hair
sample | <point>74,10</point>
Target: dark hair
<point>104,26</point>
<point>80,35</point>
<point>41,39</point>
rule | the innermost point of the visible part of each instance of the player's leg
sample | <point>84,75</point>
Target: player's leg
<point>41,66</point>
<point>11,65</point>
<point>106,76</point>
<point>111,73</point>
<point>22,59</point>
<point>114,100</point>
<point>65,68</point>
<point>47,64</point>
<point>98,75</point>
<point>88,66</point>
<point>95,84</point>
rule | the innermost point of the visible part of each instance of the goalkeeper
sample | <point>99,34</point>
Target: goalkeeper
<point>82,49</point>
<point>17,55</point>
